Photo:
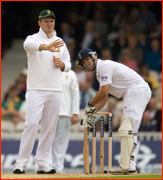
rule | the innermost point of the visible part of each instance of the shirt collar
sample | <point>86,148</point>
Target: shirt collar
<point>97,66</point>
<point>44,34</point>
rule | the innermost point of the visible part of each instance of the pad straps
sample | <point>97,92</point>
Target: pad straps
<point>135,146</point>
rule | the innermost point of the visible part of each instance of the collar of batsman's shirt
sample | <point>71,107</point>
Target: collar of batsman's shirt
<point>43,34</point>
<point>97,66</point>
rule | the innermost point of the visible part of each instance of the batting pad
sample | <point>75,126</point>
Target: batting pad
<point>125,134</point>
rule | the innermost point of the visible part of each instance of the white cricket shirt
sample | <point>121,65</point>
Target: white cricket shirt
<point>70,94</point>
<point>42,73</point>
<point>118,76</point>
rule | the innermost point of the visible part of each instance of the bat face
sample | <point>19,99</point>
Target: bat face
<point>86,150</point>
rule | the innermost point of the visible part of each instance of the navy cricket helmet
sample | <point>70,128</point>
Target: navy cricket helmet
<point>85,53</point>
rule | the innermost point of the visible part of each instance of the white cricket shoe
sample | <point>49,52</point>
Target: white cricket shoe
<point>119,171</point>
<point>59,171</point>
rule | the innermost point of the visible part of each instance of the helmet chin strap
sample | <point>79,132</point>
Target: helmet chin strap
<point>85,69</point>
<point>94,65</point>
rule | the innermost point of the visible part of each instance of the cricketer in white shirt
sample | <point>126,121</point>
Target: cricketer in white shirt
<point>44,89</point>
<point>121,82</point>
<point>68,115</point>
<point>126,83</point>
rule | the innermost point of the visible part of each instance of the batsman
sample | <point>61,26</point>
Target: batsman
<point>121,82</point>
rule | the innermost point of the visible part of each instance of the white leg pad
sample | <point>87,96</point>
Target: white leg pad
<point>125,134</point>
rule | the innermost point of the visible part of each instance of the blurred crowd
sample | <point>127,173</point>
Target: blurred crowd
<point>130,35</point>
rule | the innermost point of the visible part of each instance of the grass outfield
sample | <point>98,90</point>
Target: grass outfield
<point>78,176</point>
<point>151,176</point>
<point>122,177</point>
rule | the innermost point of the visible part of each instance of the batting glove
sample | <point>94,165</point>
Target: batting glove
<point>90,109</point>
<point>88,121</point>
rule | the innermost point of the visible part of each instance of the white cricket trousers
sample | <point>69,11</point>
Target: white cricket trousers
<point>60,143</point>
<point>135,102</point>
<point>43,107</point>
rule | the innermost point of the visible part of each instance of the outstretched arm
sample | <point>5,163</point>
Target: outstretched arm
<point>31,45</point>
<point>101,104</point>
<point>52,46</point>
<point>100,98</point>
<point>98,101</point>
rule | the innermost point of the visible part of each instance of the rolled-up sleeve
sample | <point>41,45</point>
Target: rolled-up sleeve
<point>66,59</point>
<point>31,45</point>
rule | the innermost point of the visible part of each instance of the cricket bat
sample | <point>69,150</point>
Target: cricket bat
<point>86,150</point>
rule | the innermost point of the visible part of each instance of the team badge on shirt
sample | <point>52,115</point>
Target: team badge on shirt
<point>103,78</point>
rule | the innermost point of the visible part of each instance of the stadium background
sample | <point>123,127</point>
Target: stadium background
<point>115,30</point>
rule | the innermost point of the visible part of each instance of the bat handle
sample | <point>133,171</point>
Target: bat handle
<point>83,121</point>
